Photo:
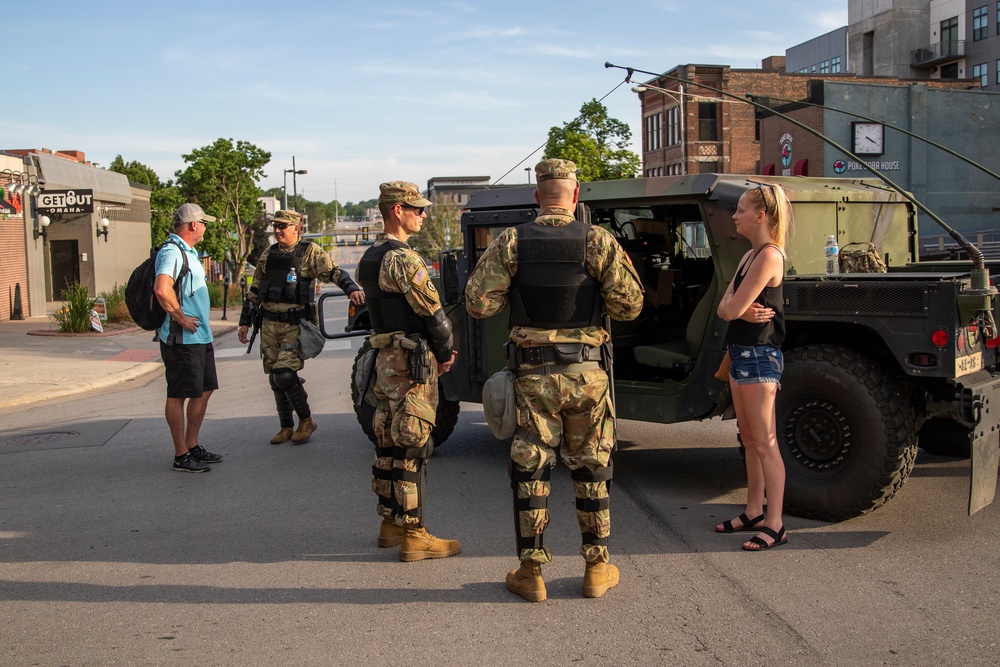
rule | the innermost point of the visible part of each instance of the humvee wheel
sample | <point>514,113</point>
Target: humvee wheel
<point>846,435</point>
<point>945,437</point>
<point>447,411</point>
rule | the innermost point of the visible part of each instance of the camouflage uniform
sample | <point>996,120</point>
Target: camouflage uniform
<point>570,412</point>
<point>407,411</point>
<point>279,327</point>
<point>279,341</point>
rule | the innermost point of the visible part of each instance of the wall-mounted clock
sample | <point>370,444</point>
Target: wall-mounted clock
<point>867,138</point>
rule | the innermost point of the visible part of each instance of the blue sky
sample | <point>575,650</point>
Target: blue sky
<point>359,93</point>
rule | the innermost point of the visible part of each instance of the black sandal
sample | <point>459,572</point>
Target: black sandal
<point>748,524</point>
<point>778,537</point>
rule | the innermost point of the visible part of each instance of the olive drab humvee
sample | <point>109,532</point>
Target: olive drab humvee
<point>875,362</point>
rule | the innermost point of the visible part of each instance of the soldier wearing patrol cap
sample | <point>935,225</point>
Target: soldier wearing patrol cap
<point>414,344</point>
<point>284,293</point>
<point>557,273</point>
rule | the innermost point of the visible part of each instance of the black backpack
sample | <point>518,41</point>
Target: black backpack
<point>140,299</point>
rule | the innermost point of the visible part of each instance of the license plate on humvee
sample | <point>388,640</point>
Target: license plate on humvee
<point>968,364</point>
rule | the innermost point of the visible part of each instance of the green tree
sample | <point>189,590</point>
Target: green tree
<point>357,211</point>
<point>223,179</point>
<point>442,229</point>
<point>163,200</point>
<point>597,144</point>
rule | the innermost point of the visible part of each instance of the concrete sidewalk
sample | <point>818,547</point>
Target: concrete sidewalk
<point>40,367</point>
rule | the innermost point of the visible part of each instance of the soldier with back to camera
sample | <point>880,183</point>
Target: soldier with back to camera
<point>557,273</point>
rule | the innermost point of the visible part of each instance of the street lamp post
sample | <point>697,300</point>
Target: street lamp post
<point>528,169</point>
<point>284,190</point>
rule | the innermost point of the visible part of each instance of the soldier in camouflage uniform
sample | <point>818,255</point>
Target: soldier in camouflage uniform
<point>557,273</point>
<point>414,342</point>
<point>284,290</point>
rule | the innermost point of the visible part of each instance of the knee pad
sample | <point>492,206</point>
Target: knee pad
<point>284,378</point>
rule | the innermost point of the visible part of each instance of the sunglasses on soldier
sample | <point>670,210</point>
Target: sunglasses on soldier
<point>419,210</point>
<point>278,226</point>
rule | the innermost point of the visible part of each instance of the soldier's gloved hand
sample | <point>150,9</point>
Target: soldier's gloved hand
<point>446,366</point>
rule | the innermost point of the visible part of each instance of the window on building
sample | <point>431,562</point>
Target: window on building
<point>949,36</point>
<point>654,132</point>
<point>835,66</point>
<point>981,72</point>
<point>980,23</point>
<point>708,125</point>
<point>673,126</point>
<point>824,67</point>
<point>998,71</point>
<point>998,18</point>
<point>804,70</point>
<point>812,69</point>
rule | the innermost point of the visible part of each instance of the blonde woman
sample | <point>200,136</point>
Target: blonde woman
<point>753,306</point>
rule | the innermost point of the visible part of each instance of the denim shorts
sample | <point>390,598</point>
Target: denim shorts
<point>754,364</point>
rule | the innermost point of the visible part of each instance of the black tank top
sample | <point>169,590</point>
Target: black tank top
<point>742,332</point>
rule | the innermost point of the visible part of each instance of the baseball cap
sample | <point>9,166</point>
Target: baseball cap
<point>192,213</point>
<point>555,168</point>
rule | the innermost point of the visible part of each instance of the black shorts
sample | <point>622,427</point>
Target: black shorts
<point>190,369</point>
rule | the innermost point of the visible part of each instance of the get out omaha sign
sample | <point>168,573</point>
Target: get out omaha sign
<point>66,201</point>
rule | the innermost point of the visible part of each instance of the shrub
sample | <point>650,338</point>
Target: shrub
<point>115,302</point>
<point>74,317</point>
<point>215,291</point>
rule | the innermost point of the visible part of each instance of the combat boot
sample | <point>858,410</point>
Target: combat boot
<point>389,534</point>
<point>598,578</point>
<point>527,581</point>
<point>284,435</point>
<point>418,544</point>
<point>305,430</point>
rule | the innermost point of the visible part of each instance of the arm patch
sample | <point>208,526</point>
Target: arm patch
<point>420,277</point>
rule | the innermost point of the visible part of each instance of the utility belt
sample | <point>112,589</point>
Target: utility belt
<point>290,317</point>
<point>555,359</point>
<point>418,352</point>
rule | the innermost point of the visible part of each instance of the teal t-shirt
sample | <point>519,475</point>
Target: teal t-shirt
<point>194,291</point>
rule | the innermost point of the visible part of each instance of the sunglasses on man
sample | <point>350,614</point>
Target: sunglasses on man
<point>279,226</point>
<point>419,210</point>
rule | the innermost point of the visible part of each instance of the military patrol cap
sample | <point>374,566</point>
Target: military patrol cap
<point>192,213</point>
<point>402,192</point>
<point>291,217</point>
<point>555,168</point>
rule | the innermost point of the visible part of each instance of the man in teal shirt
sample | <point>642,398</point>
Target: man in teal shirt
<point>186,338</point>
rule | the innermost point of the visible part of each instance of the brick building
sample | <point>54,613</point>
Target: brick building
<point>690,129</point>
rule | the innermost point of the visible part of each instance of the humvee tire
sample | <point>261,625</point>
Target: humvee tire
<point>447,411</point>
<point>846,434</point>
<point>945,437</point>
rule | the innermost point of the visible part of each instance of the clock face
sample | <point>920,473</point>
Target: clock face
<point>868,138</point>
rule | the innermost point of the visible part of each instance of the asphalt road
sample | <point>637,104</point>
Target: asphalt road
<point>107,557</point>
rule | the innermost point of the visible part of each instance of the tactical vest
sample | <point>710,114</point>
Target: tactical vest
<point>552,289</point>
<point>389,311</point>
<point>275,287</point>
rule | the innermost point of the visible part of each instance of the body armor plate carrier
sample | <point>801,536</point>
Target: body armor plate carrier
<point>389,311</point>
<point>276,288</point>
<point>552,289</point>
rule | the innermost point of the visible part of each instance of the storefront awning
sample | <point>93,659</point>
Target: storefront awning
<point>62,174</point>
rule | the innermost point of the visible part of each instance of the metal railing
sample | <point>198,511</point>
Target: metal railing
<point>954,48</point>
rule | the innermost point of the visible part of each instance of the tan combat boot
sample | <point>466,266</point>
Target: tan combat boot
<point>418,544</point>
<point>305,430</point>
<point>527,581</point>
<point>389,534</point>
<point>598,578</point>
<point>284,435</point>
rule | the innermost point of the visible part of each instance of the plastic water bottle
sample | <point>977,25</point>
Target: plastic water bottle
<point>294,278</point>
<point>832,255</point>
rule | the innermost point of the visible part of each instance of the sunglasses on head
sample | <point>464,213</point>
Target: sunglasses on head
<point>278,226</point>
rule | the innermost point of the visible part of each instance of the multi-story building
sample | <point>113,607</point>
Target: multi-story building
<point>690,129</point>
<point>820,56</point>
